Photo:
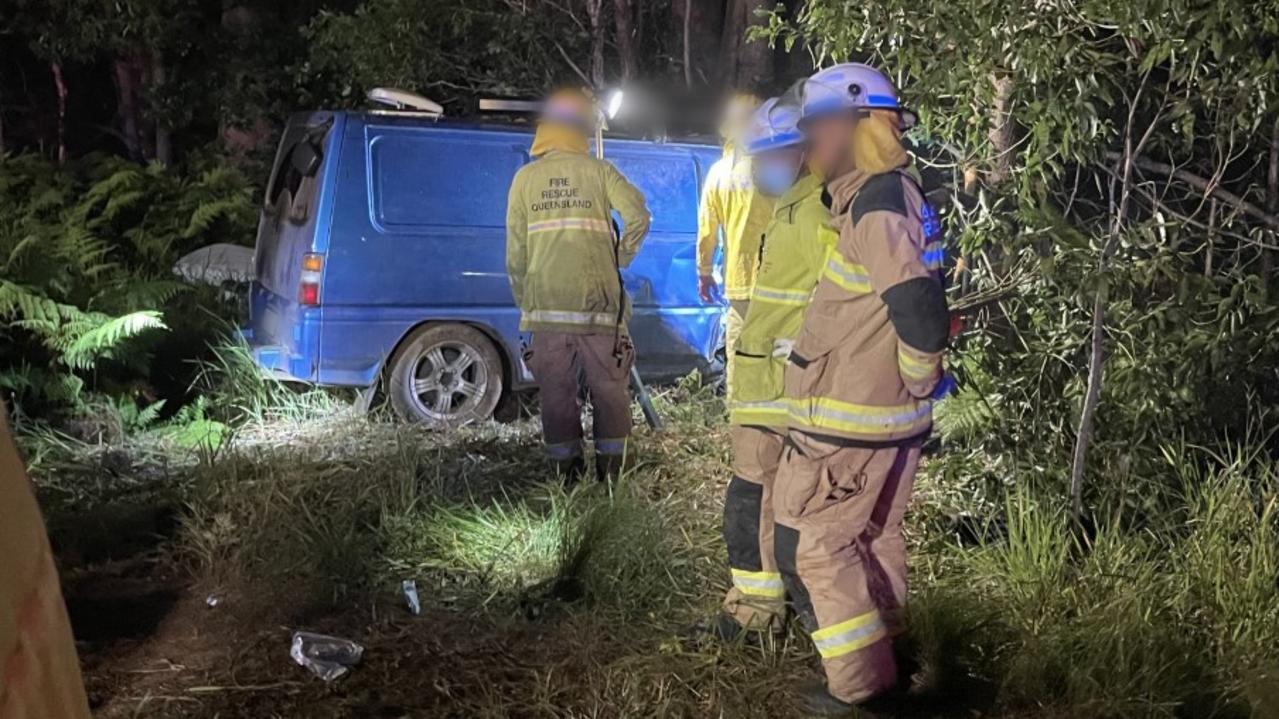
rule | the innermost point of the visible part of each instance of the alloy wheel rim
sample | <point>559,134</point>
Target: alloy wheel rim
<point>449,378</point>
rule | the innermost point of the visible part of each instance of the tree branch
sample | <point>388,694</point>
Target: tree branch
<point>1208,187</point>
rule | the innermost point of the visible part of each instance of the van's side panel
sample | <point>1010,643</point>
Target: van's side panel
<point>673,331</point>
<point>418,234</point>
<point>295,220</point>
<point>427,241</point>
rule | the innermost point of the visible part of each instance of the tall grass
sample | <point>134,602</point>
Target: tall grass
<point>1168,614</point>
<point>1173,618</point>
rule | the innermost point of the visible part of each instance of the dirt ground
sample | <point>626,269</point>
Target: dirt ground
<point>155,644</point>
<point>158,638</point>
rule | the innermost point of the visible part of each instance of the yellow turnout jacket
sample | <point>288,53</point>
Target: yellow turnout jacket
<point>796,245</point>
<point>561,252</point>
<point>729,200</point>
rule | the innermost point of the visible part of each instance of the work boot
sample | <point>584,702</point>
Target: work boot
<point>722,628</point>
<point>819,702</point>
<point>608,467</point>
<point>571,470</point>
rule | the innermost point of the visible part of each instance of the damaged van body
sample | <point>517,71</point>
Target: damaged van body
<point>380,261</point>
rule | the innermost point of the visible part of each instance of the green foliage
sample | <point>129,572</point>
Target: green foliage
<point>85,257</point>
<point>452,51</point>
<point>1174,618</point>
<point>1038,102</point>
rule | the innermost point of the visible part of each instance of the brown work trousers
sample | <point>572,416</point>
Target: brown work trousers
<point>561,362</point>
<point>757,599</point>
<point>39,672</point>
<point>842,556</point>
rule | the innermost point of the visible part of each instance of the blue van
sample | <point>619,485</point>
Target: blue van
<point>381,260</point>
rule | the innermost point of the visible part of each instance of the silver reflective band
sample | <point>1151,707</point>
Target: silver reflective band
<point>923,410</point>
<point>765,406</point>
<point>564,450</point>
<point>610,446</point>
<point>571,318</point>
<point>850,640</point>
<point>767,293</point>
<point>850,279</point>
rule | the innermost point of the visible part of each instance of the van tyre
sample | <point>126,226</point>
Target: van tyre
<point>445,376</point>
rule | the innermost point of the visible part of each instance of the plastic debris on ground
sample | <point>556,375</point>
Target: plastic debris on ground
<point>410,596</point>
<point>213,600</point>
<point>327,657</point>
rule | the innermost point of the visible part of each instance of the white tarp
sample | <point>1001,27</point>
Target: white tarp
<point>216,264</point>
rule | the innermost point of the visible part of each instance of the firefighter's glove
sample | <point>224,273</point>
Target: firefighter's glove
<point>945,388</point>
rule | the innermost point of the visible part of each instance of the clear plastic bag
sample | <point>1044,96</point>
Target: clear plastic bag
<point>327,657</point>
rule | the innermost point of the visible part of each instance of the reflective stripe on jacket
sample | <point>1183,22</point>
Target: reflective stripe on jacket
<point>561,253</point>
<point>852,375</point>
<point>796,245</point>
<point>729,200</point>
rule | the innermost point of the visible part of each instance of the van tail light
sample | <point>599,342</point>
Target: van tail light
<point>309,288</point>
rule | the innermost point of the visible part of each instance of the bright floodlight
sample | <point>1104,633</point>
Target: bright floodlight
<point>614,104</point>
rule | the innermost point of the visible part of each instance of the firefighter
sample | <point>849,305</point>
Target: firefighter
<point>564,262</point>
<point>39,672</point>
<point>730,204</point>
<point>796,244</point>
<point>858,386</point>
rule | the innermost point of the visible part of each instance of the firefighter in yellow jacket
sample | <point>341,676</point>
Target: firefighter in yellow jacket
<point>859,385</point>
<point>565,262</point>
<point>796,244</point>
<point>39,673</point>
<point>732,209</point>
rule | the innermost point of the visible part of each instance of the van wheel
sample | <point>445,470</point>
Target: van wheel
<point>445,376</point>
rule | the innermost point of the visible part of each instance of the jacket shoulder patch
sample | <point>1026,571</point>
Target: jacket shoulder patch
<point>881,192</point>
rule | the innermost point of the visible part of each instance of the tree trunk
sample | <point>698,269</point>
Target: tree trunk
<point>595,11</point>
<point>688,64</point>
<point>700,23</point>
<point>60,84</point>
<point>1002,130</point>
<point>730,42</point>
<point>1097,353</point>
<point>624,19</point>
<point>755,57</point>
<point>163,135</point>
<point>127,105</point>
<point>1272,204</point>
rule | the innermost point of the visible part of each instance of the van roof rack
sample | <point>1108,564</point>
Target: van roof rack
<point>403,101</point>
<point>492,104</point>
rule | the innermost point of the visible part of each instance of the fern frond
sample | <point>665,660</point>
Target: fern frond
<point>89,345</point>
<point>21,303</point>
<point>131,296</point>
<point>208,213</point>
<point>966,416</point>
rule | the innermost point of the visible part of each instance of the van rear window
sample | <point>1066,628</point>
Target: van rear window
<point>296,168</point>
<point>438,180</point>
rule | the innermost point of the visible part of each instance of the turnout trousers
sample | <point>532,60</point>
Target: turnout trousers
<point>841,553</point>
<point>562,362</point>
<point>757,599</point>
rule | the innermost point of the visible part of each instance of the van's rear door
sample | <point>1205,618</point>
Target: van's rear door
<point>295,218</point>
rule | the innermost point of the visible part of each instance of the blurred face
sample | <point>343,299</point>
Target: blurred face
<point>775,171</point>
<point>829,140</point>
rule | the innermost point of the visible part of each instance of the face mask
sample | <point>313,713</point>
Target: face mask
<point>775,178</point>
